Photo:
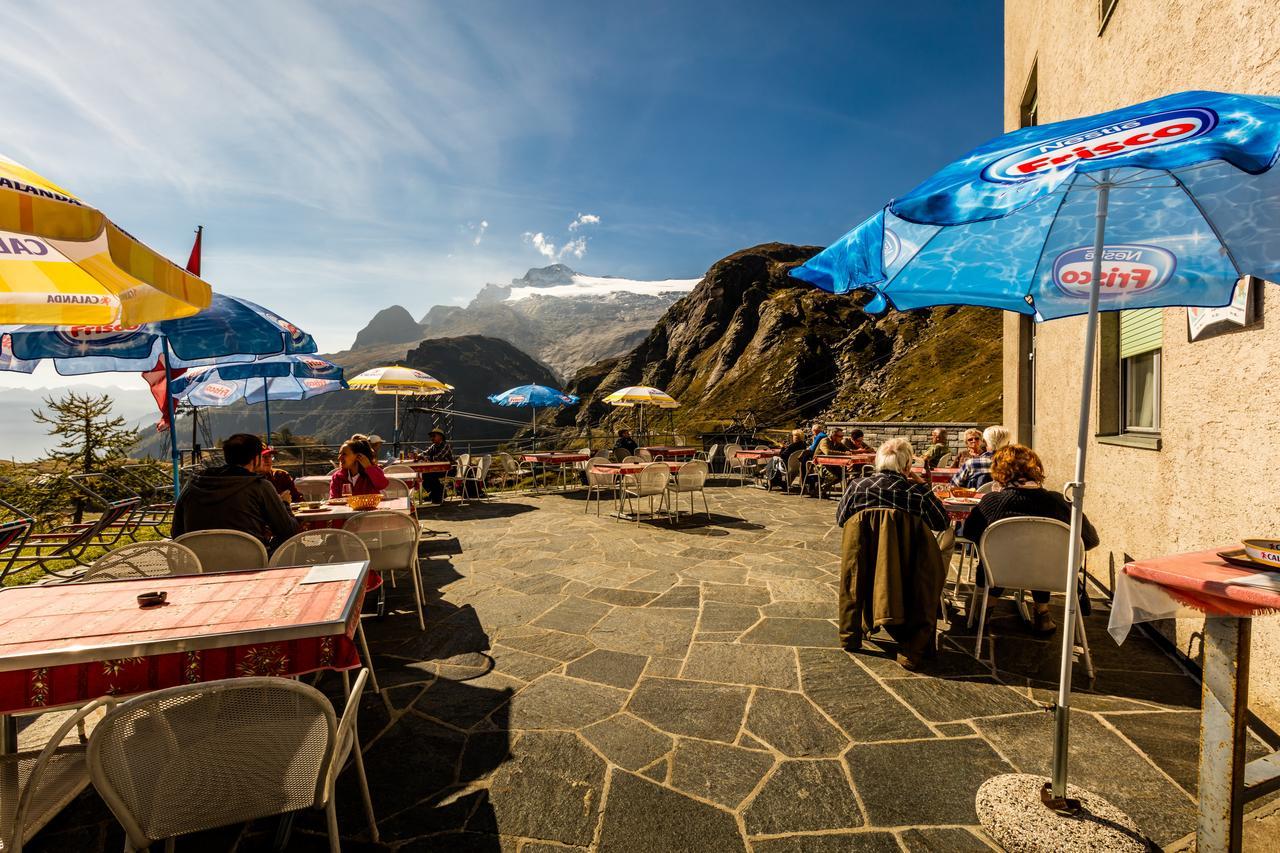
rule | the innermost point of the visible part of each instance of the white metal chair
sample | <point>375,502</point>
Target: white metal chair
<point>37,784</point>
<point>395,490</point>
<point>645,455</point>
<point>708,456</point>
<point>476,473</point>
<point>312,488</point>
<point>392,540</point>
<point>325,545</point>
<point>947,461</point>
<point>143,560</point>
<point>691,478</point>
<point>947,545</point>
<point>1027,553</point>
<point>650,483</point>
<point>986,488</point>
<point>634,460</point>
<point>734,463</point>
<point>200,756</point>
<point>225,550</point>
<point>399,469</point>
<point>597,484</point>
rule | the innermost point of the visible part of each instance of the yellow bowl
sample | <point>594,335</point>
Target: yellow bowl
<point>364,501</point>
<point>1265,552</point>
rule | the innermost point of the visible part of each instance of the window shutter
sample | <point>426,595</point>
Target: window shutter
<point>1141,330</point>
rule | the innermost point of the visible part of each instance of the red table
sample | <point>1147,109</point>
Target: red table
<point>558,458</point>
<point>70,643</point>
<point>936,475</point>
<point>672,451</point>
<point>844,462</point>
<point>427,467</point>
<point>1203,584</point>
<point>958,509</point>
<point>621,468</point>
<point>758,454</point>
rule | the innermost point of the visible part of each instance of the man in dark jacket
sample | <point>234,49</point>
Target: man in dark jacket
<point>236,496</point>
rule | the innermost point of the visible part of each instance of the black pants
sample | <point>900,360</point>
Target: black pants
<point>434,484</point>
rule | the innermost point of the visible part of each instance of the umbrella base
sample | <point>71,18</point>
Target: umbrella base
<point>1012,814</point>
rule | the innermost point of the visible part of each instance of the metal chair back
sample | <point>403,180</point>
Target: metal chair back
<point>312,489</point>
<point>398,469</point>
<point>144,560</point>
<point>652,480</point>
<point>1027,553</point>
<point>316,547</point>
<point>392,539</point>
<point>986,488</point>
<point>225,550</point>
<point>691,477</point>
<point>395,489</point>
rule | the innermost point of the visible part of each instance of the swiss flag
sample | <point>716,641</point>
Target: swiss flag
<point>156,377</point>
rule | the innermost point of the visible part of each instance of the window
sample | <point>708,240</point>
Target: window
<point>1105,8</point>
<point>1141,337</point>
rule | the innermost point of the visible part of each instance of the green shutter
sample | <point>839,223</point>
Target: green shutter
<point>1141,330</point>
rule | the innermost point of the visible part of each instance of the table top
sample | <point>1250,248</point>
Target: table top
<point>554,458</point>
<point>46,626</point>
<point>1205,575</point>
<point>936,472</point>
<point>403,476</point>
<point>758,454</point>
<point>673,451</point>
<point>334,511</point>
<point>632,467</point>
<point>425,467</point>
<point>846,461</point>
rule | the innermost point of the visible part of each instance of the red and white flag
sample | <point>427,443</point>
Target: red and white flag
<point>157,377</point>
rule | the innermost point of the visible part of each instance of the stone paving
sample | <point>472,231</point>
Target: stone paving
<point>589,684</point>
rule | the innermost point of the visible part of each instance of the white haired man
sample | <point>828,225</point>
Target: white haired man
<point>976,471</point>
<point>891,571</point>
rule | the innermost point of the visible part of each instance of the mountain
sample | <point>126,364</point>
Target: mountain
<point>392,325</point>
<point>476,365</point>
<point>750,338</point>
<point>25,439</point>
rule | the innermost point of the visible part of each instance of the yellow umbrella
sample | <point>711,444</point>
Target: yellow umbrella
<point>400,381</point>
<point>63,263</point>
<point>642,395</point>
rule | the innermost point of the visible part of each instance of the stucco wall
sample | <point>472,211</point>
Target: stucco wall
<point>1217,477</point>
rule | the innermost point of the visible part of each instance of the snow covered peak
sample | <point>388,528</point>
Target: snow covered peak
<point>580,285</point>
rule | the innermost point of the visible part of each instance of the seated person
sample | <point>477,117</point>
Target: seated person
<point>235,496</point>
<point>626,443</point>
<point>973,446</point>
<point>1020,473</point>
<point>775,470</point>
<point>892,573</point>
<point>375,444</point>
<point>856,444</point>
<point>832,444</point>
<point>937,450</point>
<point>356,469</point>
<point>280,478</point>
<point>976,472</point>
<point>438,451</point>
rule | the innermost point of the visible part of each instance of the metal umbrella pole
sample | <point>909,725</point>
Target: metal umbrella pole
<point>266,405</point>
<point>1074,492</point>
<point>173,427</point>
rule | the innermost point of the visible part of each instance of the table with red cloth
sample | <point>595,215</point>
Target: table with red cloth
<point>427,467</point>
<point>666,452</point>
<point>936,475</point>
<point>958,509</point>
<point>1228,597</point>
<point>557,458</point>
<point>767,453</point>
<point>67,644</point>
<point>843,461</point>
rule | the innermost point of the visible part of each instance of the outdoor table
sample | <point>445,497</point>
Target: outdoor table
<point>427,467</point>
<point>562,460</point>
<point>1227,597</point>
<point>666,452</point>
<point>624,469</point>
<point>336,513</point>
<point>71,643</point>
<point>958,509</point>
<point>844,462</point>
<point>758,454</point>
<point>936,475</point>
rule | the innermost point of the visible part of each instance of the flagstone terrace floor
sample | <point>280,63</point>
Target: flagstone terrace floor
<point>587,684</point>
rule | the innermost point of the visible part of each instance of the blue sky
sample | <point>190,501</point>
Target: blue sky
<point>345,157</point>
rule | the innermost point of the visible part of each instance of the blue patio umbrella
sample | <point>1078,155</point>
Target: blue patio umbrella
<point>281,377</point>
<point>1168,202</point>
<point>230,329</point>
<point>534,397</point>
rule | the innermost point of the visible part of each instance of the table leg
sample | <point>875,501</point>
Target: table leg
<point>1224,708</point>
<point>8,735</point>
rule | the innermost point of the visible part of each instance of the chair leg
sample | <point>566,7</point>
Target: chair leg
<point>417,591</point>
<point>368,657</point>
<point>706,508</point>
<point>982,622</point>
<point>170,844</point>
<point>364,790</point>
<point>331,820</point>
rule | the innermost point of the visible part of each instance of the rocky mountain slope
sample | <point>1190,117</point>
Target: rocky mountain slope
<point>750,338</point>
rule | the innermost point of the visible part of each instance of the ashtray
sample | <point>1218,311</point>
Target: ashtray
<point>152,599</point>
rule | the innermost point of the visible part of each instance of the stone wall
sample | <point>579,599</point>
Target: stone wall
<point>917,431</point>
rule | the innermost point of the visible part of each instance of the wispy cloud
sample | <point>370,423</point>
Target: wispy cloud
<point>577,248</point>
<point>540,242</point>
<point>479,230</point>
<point>584,219</point>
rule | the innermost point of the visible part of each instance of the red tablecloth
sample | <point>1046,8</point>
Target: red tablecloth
<point>846,461</point>
<point>937,475</point>
<point>554,458</point>
<point>617,468</point>
<point>70,643</point>
<point>672,451</point>
<point>757,454</point>
<point>428,467</point>
<point>1199,579</point>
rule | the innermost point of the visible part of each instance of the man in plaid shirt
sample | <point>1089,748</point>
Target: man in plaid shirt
<point>889,488</point>
<point>976,472</point>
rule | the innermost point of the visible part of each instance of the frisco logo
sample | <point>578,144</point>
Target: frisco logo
<point>218,391</point>
<point>97,334</point>
<point>315,383</point>
<point>1102,143</point>
<point>1126,268</point>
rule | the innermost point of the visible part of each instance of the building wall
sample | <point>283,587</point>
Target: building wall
<point>1217,477</point>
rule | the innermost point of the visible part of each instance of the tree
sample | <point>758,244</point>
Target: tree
<point>91,437</point>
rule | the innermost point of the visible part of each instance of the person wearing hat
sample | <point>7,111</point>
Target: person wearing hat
<point>376,442</point>
<point>438,451</point>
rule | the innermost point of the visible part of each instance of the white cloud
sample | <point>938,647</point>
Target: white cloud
<point>584,219</point>
<point>479,231</point>
<point>577,248</point>
<point>544,246</point>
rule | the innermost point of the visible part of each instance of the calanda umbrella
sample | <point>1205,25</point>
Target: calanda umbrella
<point>533,397</point>
<point>62,262</point>
<point>402,382</point>
<point>1167,202</point>
<point>283,377</point>
<point>641,395</point>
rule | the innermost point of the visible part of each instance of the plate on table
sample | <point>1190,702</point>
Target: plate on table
<point>309,509</point>
<point>1238,557</point>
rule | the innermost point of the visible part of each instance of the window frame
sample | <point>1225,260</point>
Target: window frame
<point>1126,386</point>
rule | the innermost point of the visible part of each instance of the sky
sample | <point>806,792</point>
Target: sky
<point>344,157</point>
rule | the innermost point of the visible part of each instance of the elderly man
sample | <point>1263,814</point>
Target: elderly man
<point>891,571</point>
<point>976,471</point>
<point>236,496</point>
<point>438,451</point>
<point>936,450</point>
<point>832,444</point>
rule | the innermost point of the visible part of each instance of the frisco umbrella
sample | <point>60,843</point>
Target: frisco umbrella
<point>641,395</point>
<point>63,262</point>
<point>402,382</point>
<point>1168,202</point>
<point>534,397</point>
<point>282,377</point>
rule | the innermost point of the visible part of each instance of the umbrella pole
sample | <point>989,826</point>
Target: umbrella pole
<point>266,405</point>
<point>395,433</point>
<point>1074,492</point>
<point>534,409</point>
<point>173,426</point>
